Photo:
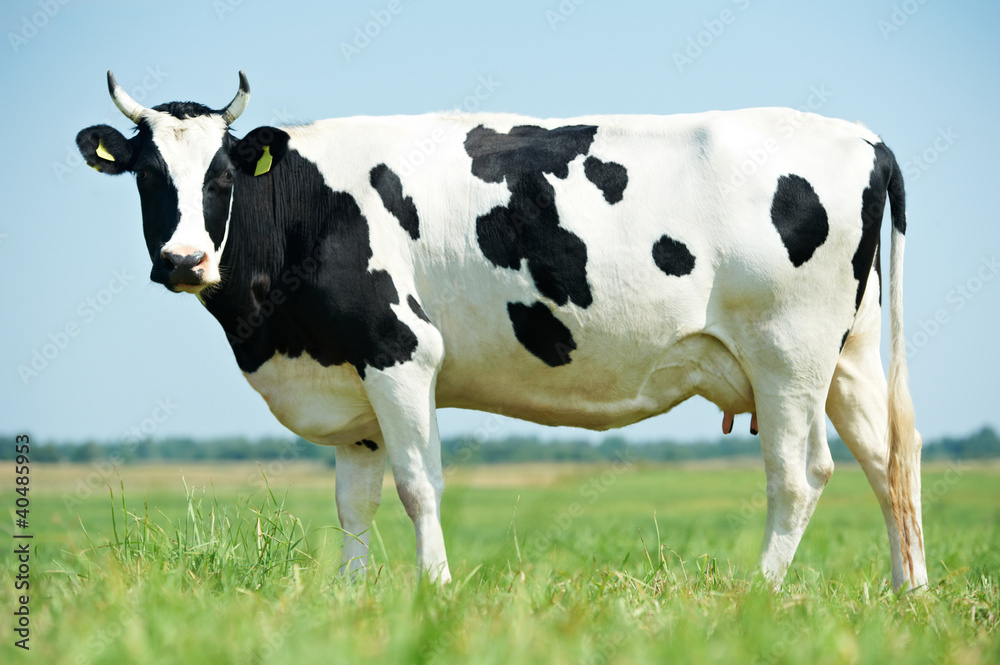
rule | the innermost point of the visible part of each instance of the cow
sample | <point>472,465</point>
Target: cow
<point>591,272</point>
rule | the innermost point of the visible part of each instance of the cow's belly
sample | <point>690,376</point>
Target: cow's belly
<point>328,405</point>
<point>324,405</point>
<point>592,394</point>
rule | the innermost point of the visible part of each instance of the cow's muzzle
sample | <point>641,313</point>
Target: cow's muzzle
<point>181,269</point>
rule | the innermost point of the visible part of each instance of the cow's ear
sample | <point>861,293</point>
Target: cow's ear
<point>105,149</point>
<point>260,151</point>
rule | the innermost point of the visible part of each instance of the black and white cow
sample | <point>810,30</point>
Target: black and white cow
<point>593,272</point>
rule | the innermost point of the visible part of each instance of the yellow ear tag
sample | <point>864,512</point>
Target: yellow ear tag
<point>264,163</point>
<point>102,152</point>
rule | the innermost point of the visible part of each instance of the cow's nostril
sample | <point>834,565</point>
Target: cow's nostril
<point>183,261</point>
<point>192,260</point>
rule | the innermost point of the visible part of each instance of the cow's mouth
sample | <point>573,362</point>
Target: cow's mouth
<point>191,281</point>
<point>186,288</point>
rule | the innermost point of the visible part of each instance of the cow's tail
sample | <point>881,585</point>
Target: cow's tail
<point>903,443</point>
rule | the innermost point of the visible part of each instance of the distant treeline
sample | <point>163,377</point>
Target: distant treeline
<point>983,444</point>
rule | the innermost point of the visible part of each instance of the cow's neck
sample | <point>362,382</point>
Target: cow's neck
<point>253,256</point>
<point>296,277</point>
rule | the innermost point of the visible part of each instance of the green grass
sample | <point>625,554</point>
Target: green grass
<point>560,564</point>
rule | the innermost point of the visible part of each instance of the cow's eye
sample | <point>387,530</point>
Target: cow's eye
<point>227,177</point>
<point>141,175</point>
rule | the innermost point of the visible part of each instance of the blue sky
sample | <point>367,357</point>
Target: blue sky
<point>124,353</point>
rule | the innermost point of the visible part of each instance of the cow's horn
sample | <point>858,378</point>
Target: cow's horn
<point>235,108</point>
<point>131,108</point>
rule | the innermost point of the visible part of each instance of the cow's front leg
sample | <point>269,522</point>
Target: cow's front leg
<point>403,399</point>
<point>360,472</point>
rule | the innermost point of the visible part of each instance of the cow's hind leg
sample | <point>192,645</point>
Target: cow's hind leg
<point>798,465</point>
<point>360,473</point>
<point>858,407</point>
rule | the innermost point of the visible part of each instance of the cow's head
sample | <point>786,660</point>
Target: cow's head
<point>186,165</point>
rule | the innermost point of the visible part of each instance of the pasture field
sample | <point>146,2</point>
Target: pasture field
<point>620,563</point>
